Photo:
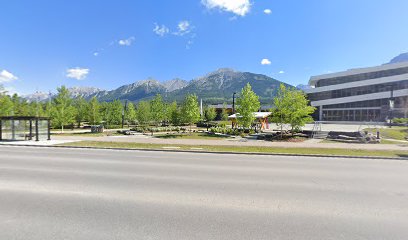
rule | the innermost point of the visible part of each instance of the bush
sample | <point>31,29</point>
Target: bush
<point>158,129</point>
<point>400,120</point>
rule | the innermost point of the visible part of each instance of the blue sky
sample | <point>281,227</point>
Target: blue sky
<point>45,44</point>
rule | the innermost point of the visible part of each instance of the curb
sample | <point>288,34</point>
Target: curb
<point>220,152</point>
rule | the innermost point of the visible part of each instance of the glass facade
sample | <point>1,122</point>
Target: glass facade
<point>361,77</point>
<point>375,110</point>
<point>348,92</point>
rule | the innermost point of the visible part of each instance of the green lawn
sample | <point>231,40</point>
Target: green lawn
<point>191,136</point>
<point>87,134</point>
<point>397,133</point>
<point>238,149</point>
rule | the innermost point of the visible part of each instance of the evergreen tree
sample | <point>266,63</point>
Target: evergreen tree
<point>190,110</point>
<point>247,104</point>
<point>63,112</point>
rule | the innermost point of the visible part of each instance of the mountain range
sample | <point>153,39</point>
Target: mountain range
<point>215,87</point>
<point>400,58</point>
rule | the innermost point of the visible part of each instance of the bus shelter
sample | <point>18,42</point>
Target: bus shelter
<point>24,128</point>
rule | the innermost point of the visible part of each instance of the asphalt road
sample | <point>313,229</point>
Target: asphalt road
<point>48,193</point>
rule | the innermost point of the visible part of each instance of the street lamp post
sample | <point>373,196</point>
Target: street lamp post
<point>123,114</point>
<point>233,102</point>
<point>391,101</point>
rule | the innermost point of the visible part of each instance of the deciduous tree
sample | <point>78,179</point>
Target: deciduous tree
<point>247,104</point>
<point>143,112</point>
<point>291,107</point>
<point>157,109</point>
<point>94,114</point>
<point>130,113</point>
<point>190,110</point>
<point>63,112</point>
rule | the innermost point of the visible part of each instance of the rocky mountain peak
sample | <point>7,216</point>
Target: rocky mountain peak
<point>400,58</point>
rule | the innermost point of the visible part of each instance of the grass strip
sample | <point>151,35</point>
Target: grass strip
<point>243,149</point>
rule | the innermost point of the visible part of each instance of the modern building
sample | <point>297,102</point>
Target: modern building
<point>374,94</point>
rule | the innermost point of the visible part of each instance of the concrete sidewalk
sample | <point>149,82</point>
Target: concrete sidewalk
<point>39,143</point>
<point>238,143</point>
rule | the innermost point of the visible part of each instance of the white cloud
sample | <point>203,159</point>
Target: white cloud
<point>238,7</point>
<point>183,27</point>
<point>6,76</point>
<point>96,54</point>
<point>161,30</point>
<point>77,73</point>
<point>267,11</point>
<point>266,61</point>
<point>126,42</point>
<point>281,72</point>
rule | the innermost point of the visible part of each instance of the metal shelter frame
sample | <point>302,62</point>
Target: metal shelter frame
<point>33,126</point>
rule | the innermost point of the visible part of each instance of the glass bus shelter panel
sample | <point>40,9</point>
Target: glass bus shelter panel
<point>21,130</point>
<point>6,130</point>
<point>43,130</point>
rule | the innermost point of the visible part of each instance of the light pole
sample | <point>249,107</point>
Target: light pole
<point>123,114</point>
<point>233,102</point>
<point>392,101</point>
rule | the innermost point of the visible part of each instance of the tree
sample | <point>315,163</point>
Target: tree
<point>81,110</point>
<point>130,113</point>
<point>93,111</point>
<point>157,109</point>
<point>114,113</point>
<point>6,105</point>
<point>36,109</point>
<point>291,107</point>
<point>190,110</point>
<point>48,108</point>
<point>247,104</point>
<point>143,112</point>
<point>210,113</point>
<point>63,113</point>
<point>224,113</point>
<point>174,113</point>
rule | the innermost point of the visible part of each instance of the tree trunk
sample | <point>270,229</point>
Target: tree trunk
<point>281,130</point>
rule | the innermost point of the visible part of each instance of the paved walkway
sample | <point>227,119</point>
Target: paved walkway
<point>233,142</point>
<point>39,143</point>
